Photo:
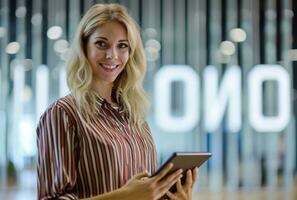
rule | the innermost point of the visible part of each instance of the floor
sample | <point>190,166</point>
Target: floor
<point>27,191</point>
<point>15,194</point>
<point>249,195</point>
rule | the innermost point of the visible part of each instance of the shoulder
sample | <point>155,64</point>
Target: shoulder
<point>61,107</point>
<point>57,122</point>
<point>66,103</point>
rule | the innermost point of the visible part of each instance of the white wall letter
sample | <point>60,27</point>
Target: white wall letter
<point>257,76</point>
<point>216,100</point>
<point>164,78</point>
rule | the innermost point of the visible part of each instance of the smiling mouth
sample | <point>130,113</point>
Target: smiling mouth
<point>108,67</point>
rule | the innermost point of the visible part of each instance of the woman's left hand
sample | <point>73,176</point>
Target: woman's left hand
<point>184,192</point>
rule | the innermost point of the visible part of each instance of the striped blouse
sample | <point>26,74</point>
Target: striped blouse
<point>79,160</point>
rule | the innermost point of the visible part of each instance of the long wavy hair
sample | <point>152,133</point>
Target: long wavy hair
<point>127,89</point>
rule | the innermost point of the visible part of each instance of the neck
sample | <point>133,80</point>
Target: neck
<point>104,90</point>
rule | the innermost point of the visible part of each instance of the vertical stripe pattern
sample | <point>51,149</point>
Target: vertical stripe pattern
<point>79,160</point>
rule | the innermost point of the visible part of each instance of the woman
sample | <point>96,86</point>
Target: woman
<point>95,144</point>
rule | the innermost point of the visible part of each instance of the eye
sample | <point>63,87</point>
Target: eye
<point>101,44</point>
<point>123,45</point>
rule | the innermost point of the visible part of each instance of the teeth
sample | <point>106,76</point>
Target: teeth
<point>109,66</point>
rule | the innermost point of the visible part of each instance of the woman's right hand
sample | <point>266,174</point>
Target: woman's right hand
<point>144,187</point>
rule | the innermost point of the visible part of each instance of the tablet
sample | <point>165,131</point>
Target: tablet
<point>185,161</point>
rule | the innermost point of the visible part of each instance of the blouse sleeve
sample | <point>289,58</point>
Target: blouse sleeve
<point>57,155</point>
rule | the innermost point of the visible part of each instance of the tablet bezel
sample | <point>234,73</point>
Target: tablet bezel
<point>185,161</point>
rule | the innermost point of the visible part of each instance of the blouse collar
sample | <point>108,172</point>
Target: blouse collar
<point>103,103</point>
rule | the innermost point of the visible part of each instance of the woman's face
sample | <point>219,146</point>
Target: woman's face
<point>108,52</point>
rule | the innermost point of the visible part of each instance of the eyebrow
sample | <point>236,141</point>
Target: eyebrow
<point>104,38</point>
<point>99,37</point>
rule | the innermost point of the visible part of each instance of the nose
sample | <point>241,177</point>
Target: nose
<point>111,53</point>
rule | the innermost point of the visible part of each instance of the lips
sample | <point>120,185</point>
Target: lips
<point>108,66</point>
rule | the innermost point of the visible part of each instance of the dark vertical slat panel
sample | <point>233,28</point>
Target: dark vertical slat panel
<point>28,51</point>
<point>12,30</point>
<point>28,41</point>
<point>67,19</point>
<point>168,32</point>
<point>44,31</point>
<point>279,14</point>
<point>161,32</point>
<point>224,37</point>
<point>186,30</point>
<point>140,13</point>
<point>224,19</point>
<point>179,32</point>
<point>239,24</point>
<point>261,32</point>
<point>289,163</point>
<point>12,26</point>
<point>208,18</point>
<point>4,58</point>
<point>81,7</point>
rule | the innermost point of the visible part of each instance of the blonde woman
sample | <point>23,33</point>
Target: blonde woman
<point>95,144</point>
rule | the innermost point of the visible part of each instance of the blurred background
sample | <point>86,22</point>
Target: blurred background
<point>220,76</point>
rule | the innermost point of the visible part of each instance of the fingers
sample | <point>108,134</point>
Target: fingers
<point>194,176</point>
<point>180,192</point>
<point>179,186</point>
<point>170,195</point>
<point>169,181</point>
<point>189,180</point>
<point>141,175</point>
<point>163,172</point>
<point>184,191</point>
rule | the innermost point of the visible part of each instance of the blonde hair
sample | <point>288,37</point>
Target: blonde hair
<point>128,89</point>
